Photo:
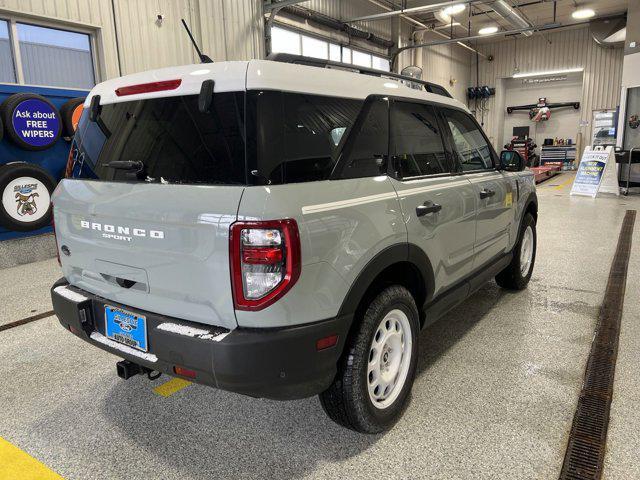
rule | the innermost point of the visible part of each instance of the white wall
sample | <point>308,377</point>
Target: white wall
<point>564,49</point>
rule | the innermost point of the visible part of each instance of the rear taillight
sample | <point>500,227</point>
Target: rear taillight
<point>148,87</point>
<point>265,261</point>
<point>68,171</point>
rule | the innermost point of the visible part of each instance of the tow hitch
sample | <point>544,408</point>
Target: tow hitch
<point>127,369</point>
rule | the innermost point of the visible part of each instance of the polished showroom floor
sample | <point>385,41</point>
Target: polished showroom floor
<point>496,390</point>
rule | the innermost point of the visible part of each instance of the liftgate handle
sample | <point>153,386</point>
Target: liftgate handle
<point>427,207</point>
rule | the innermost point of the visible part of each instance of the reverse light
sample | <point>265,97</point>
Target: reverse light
<point>148,87</point>
<point>265,261</point>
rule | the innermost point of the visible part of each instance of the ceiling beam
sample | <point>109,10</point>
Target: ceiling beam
<point>268,6</point>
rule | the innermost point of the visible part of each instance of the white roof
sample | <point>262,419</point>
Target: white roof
<point>264,75</point>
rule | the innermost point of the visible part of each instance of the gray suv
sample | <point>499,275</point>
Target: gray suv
<point>283,230</point>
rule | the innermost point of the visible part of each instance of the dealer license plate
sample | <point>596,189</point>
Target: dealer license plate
<point>126,327</point>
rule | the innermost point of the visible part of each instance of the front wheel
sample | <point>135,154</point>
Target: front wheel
<point>375,376</point>
<point>517,275</point>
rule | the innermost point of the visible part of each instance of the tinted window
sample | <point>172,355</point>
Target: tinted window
<point>473,151</point>
<point>367,155</point>
<point>170,138</point>
<point>297,136</point>
<point>437,89</point>
<point>416,140</point>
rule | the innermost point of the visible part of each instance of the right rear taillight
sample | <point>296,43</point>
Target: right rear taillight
<point>265,261</point>
<point>73,151</point>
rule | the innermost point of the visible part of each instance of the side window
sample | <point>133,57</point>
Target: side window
<point>367,156</point>
<point>416,140</point>
<point>473,151</point>
<point>296,137</point>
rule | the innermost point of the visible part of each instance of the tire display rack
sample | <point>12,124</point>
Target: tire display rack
<point>46,164</point>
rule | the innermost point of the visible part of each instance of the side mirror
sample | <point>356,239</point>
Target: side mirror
<point>511,161</point>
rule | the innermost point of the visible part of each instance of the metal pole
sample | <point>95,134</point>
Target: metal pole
<point>409,11</point>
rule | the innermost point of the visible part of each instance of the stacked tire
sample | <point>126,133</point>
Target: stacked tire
<point>32,123</point>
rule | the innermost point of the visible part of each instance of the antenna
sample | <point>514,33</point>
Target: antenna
<point>203,57</point>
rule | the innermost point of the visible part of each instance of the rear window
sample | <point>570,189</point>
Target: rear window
<point>169,140</point>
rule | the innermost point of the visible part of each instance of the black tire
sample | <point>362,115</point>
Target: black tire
<point>31,210</point>
<point>512,277</point>
<point>6,112</point>
<point>66,114</point>
<point>347,401</point>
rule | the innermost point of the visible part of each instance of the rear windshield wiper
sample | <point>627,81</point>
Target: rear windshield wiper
<point>125,165</point>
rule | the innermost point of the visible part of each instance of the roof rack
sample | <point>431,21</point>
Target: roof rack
<point>318,62</point>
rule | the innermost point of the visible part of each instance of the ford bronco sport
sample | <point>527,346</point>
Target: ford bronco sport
<point>282,230</point>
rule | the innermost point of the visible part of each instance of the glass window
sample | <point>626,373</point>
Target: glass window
<point>473,151</point>
<point>368,154</point>
<point>630,125</point>
<point>297,136</point>
<point>334,52</point>
<point>361,59</point>
<point>285,41</point>
<point>416,140</point>
<point>7,71</point>
<point>55,57</point>
<point>380,63</point>
<point>346,55</point>
<point>312,47</point>
<point>169,137</point>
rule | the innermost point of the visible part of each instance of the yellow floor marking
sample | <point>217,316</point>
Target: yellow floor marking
<point>565,183</point>
<point>14,464</point>
<point>172,386</point>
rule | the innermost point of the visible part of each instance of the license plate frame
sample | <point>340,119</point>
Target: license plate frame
<point>126,327</point>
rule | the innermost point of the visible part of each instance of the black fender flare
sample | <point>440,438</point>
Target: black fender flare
<point>531,199</point>
<point>403,252</point>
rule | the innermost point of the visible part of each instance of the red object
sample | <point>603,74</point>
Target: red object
<point>289,251</point>
<point>326,342</point>
<point>185,372</point>
<point>69,168</point>
<point>261,255</point>
<point>148,87</point>
<point>547,171</point>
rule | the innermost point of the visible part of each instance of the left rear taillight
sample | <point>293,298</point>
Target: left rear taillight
<point>265,261</point>
<point>68,171</point>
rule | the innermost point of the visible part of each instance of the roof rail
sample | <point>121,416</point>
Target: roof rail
<point>318,62</point>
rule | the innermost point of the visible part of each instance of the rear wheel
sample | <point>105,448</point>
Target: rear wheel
<point>375,376</point>
<point>517,275</point>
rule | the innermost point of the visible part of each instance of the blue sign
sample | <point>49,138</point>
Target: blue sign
<point>36,122</point>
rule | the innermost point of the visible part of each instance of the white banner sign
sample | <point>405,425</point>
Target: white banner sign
<point>597,172</point>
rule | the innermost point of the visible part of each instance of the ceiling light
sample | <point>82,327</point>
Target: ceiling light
<point>550,72</point>
<point>454,9</point>
<point>488,30</point>
<point>583,13</point>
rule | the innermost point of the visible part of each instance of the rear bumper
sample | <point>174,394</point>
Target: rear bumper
<point>279,363</point>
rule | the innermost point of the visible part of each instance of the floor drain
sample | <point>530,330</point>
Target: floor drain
<point>584,457</point>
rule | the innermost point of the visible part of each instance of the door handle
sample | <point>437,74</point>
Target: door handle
<point>486,193</point>
<point>427,207</point>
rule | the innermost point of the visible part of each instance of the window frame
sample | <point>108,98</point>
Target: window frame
<point>72,27</point>
<point>443,137</point>
<point>452,147</point>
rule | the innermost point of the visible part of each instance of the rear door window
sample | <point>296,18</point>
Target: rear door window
<point>169,140</point>
<point>298,136</point>
<point>416,140</point>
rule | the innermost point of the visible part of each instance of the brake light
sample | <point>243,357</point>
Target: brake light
<point>148,87</point>
<point>265,261</point>
<point>185,372</point>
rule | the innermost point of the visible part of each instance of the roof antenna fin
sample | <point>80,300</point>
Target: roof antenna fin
<point>203,58</point>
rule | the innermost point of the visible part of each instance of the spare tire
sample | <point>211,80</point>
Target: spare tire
<point>70,114</point>
<point>31,121</point>
<point>25,197</point>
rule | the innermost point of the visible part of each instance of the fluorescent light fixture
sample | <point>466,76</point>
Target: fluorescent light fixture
<point>583,13</point>
<point>488,30</point>
<point>549,72</point>
<point>454,9</point>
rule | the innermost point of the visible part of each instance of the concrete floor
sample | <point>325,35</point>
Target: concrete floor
<point>494,397</point>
